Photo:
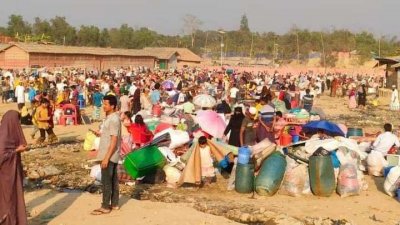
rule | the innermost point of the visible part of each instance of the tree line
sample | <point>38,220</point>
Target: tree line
<point>296,44</point>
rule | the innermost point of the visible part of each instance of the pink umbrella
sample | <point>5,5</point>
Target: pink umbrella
<point>210,122</point>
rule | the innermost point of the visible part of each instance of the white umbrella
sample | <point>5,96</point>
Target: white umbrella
<point>204,100</point>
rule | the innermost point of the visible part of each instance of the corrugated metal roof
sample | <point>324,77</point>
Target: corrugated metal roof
<point>161,53</point>
<point>184,53</point>
<point>59,49</point>
<point>397,65</point>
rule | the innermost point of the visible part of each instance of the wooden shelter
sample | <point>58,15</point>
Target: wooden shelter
<point>392,70</point>
<point>185,57</point>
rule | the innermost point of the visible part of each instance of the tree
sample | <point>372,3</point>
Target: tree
<point>88,36</point>
<point>244,24</point>
<point>17,26</point>
<point>62,32</point>
<point>190,25</point>
<point>104,39</point>
<point>40,27</point>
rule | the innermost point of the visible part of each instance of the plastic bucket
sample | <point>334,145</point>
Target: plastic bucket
<point>244,155</point>
<point>285,139</point>
<point>295,138</point>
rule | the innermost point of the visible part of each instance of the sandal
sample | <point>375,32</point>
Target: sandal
<point>115,208</point>
<point>100,211</point>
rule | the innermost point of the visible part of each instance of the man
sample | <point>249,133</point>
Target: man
<point>188,106</point>
<point>110,136</point>
<point>386,140</point>
<point>233,94</point>
<point>308,101</point>
<point>20,95</point>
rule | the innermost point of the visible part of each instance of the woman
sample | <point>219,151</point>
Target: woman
<point>12,143</point>
<point>140,132</point>
<point>136,106</point>
<point>145,100</point>
<point>362,96</point>
<point>352,98</point>
<point>234,125</point>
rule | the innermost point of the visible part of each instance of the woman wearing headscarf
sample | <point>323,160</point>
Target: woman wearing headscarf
<point>234,126</point>
<point>362,96</point>
<point>12,143</point>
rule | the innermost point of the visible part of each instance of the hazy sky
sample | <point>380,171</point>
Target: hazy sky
<point>165,16</point>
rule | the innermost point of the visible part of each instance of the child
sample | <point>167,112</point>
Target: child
<point>43,117</point>
<point>207,162</point>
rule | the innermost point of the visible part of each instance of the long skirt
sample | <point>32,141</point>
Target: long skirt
<point>352,102</point>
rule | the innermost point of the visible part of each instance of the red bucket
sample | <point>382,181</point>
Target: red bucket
<point>286,139</point>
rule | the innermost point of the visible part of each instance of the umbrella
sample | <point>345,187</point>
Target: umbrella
<point>168,84</point>
<point>210,122</point>
<point>329,127</point>
<point>204,100</point>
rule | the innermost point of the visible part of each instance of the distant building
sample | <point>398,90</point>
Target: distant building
<point>27,55</point>
<point>392,70</point>
<point>6,39</point>
<point>185,57</point>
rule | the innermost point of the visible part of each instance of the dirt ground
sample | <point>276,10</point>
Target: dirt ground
<point>371,207</point>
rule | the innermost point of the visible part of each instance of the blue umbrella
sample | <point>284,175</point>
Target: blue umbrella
<point>329,127</point>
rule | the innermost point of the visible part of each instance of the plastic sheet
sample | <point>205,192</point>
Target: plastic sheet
<point>392,181</point>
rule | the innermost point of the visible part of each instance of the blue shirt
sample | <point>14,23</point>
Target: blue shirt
<point>97,99</point>
<point>31,94</point>
<point>155,97</point>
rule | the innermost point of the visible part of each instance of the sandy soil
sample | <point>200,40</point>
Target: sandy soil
<point>371,207</point>
<point>48,207</point>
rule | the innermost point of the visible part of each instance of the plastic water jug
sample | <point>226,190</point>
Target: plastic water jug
<point>244,155</point>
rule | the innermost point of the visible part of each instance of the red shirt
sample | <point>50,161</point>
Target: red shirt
<point>140,133</point>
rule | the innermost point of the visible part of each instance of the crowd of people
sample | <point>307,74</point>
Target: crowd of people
<point>252,104</point>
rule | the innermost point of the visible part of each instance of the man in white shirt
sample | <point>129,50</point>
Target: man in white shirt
<point>132,89</point>
<point>386,140</point>
<point>233,94</point>
<point>20,95</point>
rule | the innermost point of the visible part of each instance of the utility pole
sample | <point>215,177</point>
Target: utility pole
<point>379,43</point>
<point>222,43</point>
<point>205,46</point>
<point>251,46</point>
<point>298,47</point>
